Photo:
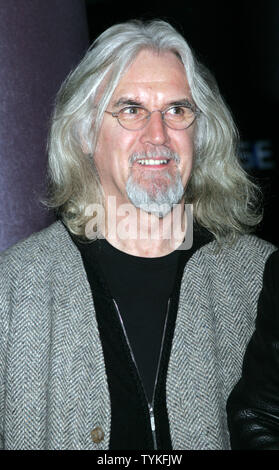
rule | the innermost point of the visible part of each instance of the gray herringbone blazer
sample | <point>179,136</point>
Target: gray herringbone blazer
<point>53,384</point>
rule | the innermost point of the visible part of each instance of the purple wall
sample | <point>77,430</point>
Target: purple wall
<point>41,41</point>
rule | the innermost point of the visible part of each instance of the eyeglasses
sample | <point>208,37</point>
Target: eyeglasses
<point>134,118</point>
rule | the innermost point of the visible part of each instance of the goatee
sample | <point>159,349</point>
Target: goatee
<point>157,191</point>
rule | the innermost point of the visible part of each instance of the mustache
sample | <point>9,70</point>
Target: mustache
<point>165,153</point>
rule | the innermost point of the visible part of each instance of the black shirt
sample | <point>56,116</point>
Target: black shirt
<point>141,288</point>
<point>105,266</point>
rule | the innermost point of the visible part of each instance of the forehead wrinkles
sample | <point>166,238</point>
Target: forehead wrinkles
<point>168,82</point>
<point>150,70</point>
<point>150,94</point>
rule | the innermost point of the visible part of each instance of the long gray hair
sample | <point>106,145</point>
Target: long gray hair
<point>224,199</point>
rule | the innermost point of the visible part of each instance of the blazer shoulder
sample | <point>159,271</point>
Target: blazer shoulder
<point>41,247</point>
<point>260,243</point>
<point>253,246</point>
<point>245,245</point>
<point>248,254</point>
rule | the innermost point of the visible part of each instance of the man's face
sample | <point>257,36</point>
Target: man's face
<point>154,82</point>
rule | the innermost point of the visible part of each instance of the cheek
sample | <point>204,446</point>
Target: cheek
<point>114,141</point>
<point>185,148</point>
<point>112,154</point>
<point>104,151</point>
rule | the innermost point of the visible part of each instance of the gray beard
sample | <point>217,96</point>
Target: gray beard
<point>160,202</point>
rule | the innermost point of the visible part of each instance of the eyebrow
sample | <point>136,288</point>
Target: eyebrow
<point>184,102</point>
<point>125,101</point>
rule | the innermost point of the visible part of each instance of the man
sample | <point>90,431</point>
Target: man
<point>133,340</point>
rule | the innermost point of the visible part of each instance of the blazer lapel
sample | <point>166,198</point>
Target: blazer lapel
<point>78,397</point>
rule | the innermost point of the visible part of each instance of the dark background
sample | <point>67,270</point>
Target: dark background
<point>42,41</point>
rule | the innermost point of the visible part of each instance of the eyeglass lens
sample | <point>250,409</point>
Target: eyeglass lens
<point>175,117</point>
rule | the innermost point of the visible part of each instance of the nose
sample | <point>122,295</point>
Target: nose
<point>155,132</point>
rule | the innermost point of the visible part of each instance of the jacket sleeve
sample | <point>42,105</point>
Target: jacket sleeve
<point>253,406</point>
<point>4,323</point>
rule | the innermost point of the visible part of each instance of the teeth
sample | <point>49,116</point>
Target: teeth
<point>152,162</point>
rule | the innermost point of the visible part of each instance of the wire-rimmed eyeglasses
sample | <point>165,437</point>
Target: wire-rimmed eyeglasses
<point>134,118</point>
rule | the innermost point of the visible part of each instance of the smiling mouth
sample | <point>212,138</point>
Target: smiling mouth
<point>153,162</point>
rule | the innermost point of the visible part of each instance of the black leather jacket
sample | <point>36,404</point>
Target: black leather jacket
<point>253,406</point>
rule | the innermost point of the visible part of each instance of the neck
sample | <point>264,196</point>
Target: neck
<point>139,233</point>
